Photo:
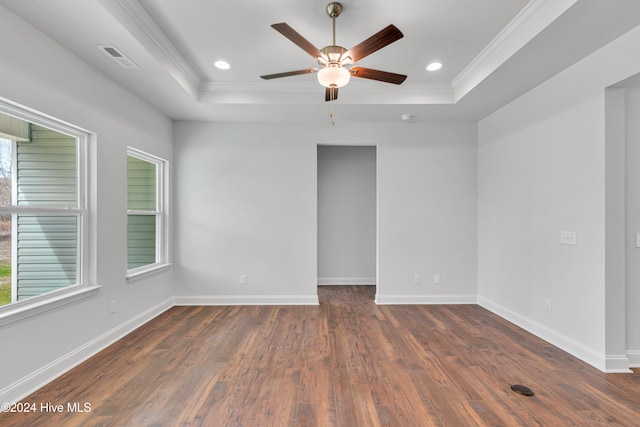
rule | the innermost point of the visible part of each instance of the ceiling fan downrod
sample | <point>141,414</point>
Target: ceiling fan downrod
<point>334,9</point>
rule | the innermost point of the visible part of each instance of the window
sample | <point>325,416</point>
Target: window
<point>43,212</point>
<point>146,213</point>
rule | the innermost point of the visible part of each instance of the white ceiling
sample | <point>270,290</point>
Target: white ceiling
<point>492,51</point>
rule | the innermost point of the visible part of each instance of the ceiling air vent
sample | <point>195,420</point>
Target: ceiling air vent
<point>114,53</point>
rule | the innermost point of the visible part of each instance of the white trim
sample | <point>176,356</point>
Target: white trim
<point>37,379</point>
<point>85,268</point>
<point>603,362</point>
<point>616,364</point>
<point>160,212</point>
<point>246,300</point>
<point>634,358</point>
<point>304,92</point>
<point>33,116</point>
<point>84,276</point>
<point>146,271</point>
<point>263,92</point>
<point>346,280</point>
<point>531,21</point>
<point>135,19</point>
<point>143,155</point>
<point>422,299</point>
<point>45,302</point>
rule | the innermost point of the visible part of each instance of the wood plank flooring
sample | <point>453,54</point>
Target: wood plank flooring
<point>345,363</point>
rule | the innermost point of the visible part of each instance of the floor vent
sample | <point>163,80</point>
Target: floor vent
<point>522,389</point>
<point>114,53</point>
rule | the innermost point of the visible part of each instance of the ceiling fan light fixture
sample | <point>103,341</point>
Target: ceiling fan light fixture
<point>333,76</point>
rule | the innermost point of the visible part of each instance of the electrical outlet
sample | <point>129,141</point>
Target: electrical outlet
<point>547,305</point>
<point>417,279</point>
<point>243,279</point>
<point>436,279</point>
<point>113,306</point>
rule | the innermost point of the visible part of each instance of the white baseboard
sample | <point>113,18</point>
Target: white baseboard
<point>346,280</point>
<point>616,364</point>
<point>425,299</point>
<point>603,362</point>
<point>246,300</point>
<point>634,358</point>
<point>37,379</point>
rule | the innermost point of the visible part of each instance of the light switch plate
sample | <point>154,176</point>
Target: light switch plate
<point>569,238</point>
<point>637,240</point>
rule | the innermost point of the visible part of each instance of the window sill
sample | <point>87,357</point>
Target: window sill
<point>150,270</point>
<point>38,305</point>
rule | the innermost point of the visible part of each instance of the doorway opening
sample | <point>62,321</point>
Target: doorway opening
<point>347,215</point>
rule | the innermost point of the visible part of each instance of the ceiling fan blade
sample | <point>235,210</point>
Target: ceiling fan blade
<point>289,73</point>
<point>295,37</point>
<point>382,76</point>
<point>331,94</point>
<point>377,41</point>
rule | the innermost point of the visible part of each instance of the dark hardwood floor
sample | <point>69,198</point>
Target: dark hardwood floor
<point>345,363</point>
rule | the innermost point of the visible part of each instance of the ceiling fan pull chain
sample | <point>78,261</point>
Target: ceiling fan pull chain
<point>333,103</point>
<point>331,114</point>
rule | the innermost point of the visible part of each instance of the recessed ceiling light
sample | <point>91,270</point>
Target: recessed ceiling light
<point>434,66</point>
<point>222,65</point>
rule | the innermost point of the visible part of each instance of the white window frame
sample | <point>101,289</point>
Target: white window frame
<point>84,211</point>
<point>161,212</point>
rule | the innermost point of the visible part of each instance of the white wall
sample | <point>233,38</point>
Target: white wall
<point>346,215</point>
<point>40,74</point>
<point>246,202</point>
<point>541,170</point>
<point>633,222</point>
<point>426,213</point>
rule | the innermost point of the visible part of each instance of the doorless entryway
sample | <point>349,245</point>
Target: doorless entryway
<point>346,215</point>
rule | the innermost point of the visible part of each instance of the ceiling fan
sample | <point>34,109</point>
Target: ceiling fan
<point>336,62</point>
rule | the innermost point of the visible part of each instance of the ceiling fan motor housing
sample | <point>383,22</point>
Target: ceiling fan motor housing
<point>332,56</point>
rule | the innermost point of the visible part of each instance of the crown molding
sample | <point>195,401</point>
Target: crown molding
<point>137,21</point>
<point>531,21</point>
<point>296,92</point>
